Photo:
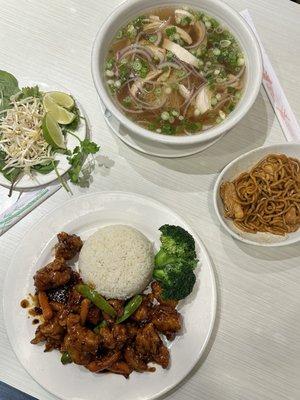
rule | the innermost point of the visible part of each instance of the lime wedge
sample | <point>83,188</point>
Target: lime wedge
<point>61,99</point>
<point>60,114</point>
<point>52,132</point>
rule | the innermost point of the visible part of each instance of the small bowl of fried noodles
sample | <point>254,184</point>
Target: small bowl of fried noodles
<point>257,196</point>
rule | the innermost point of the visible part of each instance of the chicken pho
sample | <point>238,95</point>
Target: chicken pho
<point>175,71</point>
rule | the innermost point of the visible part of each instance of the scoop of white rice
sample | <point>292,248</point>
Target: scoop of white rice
<point>117,260</point>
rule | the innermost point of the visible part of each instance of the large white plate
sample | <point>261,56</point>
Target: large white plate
<point>35,180</point>
<point>83,215</point>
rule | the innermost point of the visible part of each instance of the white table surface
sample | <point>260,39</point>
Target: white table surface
<point>255,349</point>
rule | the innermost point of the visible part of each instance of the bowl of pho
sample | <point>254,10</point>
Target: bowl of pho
<point>176,76</point>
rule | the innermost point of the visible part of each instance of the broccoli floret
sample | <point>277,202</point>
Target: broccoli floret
<point>175,261</point>
<point>177,282</point>
<point>177,243</point>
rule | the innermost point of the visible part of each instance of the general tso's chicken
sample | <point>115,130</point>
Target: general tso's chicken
<point>51,332</point>
<point>143,312</point>
<point>149,344</point>
<point>120,335</point>
<point>118,305</point>
<point>157,294</point>
<point>120,367</point>
<point>94,315</point>
<point>135,360</point>
<point>68,246</point>
<point>166,319</point>
<point>55,274</point>
<point>71,319</point>
<point>162,357</point>
<point>147,340</point>
<point>106,338</point>
<point>113,338</point>
<point>233,208</point>
<point>80,341</point>
<point>104,362</point>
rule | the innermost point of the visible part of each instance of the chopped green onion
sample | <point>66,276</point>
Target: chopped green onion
<point>152,38</point>
<point>165,116</point>
<point>110,63</point>
<point>119,35</point>
<point>171,31</point>
<point>127,100</point>
<point>109,73</point>
<point>137,65</point>
<point>225,43</point>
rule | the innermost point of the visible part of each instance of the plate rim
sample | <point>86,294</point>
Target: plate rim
<point>56,87</point>
<point>198,239</point>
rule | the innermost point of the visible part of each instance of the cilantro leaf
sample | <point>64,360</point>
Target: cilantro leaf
<point>33,91</point>
<point>76,160</point>
<point>89,147</point>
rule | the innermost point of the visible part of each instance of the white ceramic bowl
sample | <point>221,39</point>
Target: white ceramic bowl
<point>231,171</point>
<point>230,18</point>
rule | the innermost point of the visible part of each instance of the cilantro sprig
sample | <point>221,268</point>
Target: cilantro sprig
<point>78,156</point>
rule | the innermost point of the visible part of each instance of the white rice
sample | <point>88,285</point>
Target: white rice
<point>117,260</point>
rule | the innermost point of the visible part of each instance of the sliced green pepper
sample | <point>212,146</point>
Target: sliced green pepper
<point>130,308</point>
<point>65,358</point>
<point>96,298</point>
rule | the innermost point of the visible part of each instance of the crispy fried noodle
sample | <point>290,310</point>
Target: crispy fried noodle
<point>267,198</point>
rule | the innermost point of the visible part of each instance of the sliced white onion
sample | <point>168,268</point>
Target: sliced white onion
<point>201,33</point>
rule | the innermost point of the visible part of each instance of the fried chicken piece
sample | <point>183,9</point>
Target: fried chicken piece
<point>166,319</point>
<point>113,338</point>
<point>104,362</point>
<point>81,343</point>
<point>162,357</point>
<point>156,294</point>
<point>68,246</point>
<point>135,360</point>
<point>53,275</point>
<point>118,305</point>
<point>147,341</point>
<point>132,330</point>
<point>232,206</point>
<point>61,294</point>
<point>120,367</point>
<point>107,338</point>
<point>149,344</point>
<point>143,312</point>
<point>50,331</point>
<point>94,315</point>
<point>78,356</point>
<point>120,335</point>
